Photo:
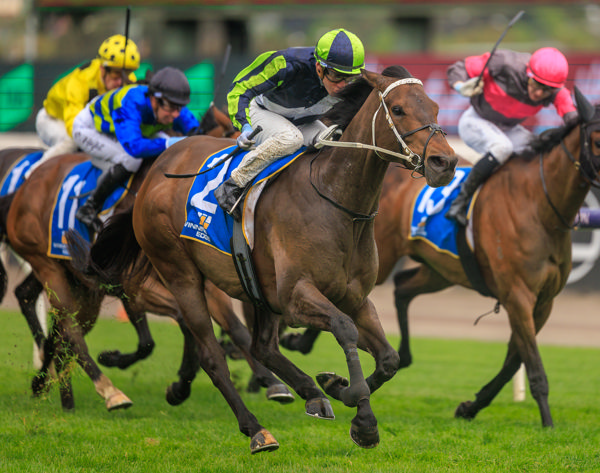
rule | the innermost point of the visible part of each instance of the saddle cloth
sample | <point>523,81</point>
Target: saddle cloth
<point>428,220</point>
<point>14,178</point>
<point>205,221</point>
<point>74,191</point>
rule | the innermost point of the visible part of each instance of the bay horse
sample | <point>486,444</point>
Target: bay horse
<point>521,222</point>
<point>75,298</point>
<point>314,249</point>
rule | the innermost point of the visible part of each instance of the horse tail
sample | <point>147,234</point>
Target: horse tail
<point>114,256</point>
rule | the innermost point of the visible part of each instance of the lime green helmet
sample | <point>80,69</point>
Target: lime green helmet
<point>342,51</point>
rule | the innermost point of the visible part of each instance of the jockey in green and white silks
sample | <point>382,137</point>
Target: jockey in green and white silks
<point>285,92</point>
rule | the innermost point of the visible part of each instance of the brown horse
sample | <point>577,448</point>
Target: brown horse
<point>521,227</point>
<point>522,242</point>
<point>314,250</point>
<point>76,299</point>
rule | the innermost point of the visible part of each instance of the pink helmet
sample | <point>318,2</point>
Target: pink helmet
<point>548,66</point>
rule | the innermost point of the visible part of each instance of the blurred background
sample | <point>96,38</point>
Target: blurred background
<point>41,40</point>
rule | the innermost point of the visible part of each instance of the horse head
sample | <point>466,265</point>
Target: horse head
<point>408,122</point>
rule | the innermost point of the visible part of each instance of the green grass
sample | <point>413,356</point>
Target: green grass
<point>414,410</point>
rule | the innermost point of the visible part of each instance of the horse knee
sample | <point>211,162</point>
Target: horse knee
<point>145,350</point>
<point>390,364</point>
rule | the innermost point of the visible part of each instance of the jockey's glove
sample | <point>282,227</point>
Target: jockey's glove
<point>244,141</point>
<point>470,87</point>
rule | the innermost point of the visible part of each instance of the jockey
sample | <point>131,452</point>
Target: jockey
<point>124,126</point>
<point>112,68</point>
<point>285,92</point>
<point>514,86</point>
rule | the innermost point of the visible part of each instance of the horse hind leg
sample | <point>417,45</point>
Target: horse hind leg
<point>145,347</point>
<point>409,283</point>
<point>180,390</point>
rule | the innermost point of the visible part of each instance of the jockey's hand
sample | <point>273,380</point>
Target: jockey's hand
<point>244,141</point>
<point>174,139</point>
<point>469,88</point>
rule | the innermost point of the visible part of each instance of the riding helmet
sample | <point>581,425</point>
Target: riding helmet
<point>113,53</point>
<point>172,84</point>
<point>342,51</point>
<point>548,66</point>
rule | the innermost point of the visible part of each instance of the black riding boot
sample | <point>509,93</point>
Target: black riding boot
<point>227,194</point>
<point>107,183</point>
<point>479,174</point>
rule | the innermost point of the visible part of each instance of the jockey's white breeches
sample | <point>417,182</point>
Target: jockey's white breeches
<point>104,149</point>
<point>53,132</point>
<point>485,137</point>
<point>279,137</point>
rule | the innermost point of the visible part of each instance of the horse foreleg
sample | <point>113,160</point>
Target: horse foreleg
<point>302,342</point>
<point>114,358</point>
<point>27,294</point>
<point>469,409</point>
<point>408,283</point>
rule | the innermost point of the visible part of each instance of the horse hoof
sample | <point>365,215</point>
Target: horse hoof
<point>118,401</point>
<point>39,385</point>
<point>176,394</point>
<point>263,441</point>
<point>319,407</point>
<point>465,411</point>
<point>365,438</point>
<point>332,384</point>
<point>280,393</point>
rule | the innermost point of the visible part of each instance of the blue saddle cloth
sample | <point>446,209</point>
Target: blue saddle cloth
<point>74,191</point>
<point>14,178</point>
<point>205,221</point>
<point>428,221</point>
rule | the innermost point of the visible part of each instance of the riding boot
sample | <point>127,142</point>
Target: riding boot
<point>479,174</point>
<point>107,183</point>
<point>227,194</point>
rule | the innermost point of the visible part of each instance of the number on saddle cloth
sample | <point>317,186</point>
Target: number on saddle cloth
<point>15,177</point>
<point>205,221</point>
<point>73,193</point>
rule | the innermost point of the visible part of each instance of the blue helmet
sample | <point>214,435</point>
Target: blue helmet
<point>342,51</point>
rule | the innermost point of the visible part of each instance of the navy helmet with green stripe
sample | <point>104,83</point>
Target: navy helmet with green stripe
<point>342,51</point>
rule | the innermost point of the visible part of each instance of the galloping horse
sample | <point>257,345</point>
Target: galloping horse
<point>314,250</point>
<point>521,222</point>
<point>75,298</point>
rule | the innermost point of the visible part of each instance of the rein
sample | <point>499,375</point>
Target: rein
<point>406,153</point>
<point>579,165</point>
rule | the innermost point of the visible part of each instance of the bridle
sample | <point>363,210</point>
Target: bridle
<point>585,166</point>
<point>406,154</point>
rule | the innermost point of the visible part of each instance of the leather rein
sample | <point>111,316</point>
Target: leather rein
<point>585,167</point>
<point>406,154</point>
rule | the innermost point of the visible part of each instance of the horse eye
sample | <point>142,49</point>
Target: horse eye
<point>397,110</point>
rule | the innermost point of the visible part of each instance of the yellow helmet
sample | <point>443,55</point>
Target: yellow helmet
<point>112,53</point>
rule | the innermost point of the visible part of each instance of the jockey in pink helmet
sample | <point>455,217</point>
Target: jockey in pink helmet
<point>513,87</point>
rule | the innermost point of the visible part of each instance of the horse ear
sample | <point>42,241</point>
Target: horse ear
<point>372,78</point>
<point>585,109</point>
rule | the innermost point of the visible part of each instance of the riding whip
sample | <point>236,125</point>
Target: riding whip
<point>230,155</point>
<point>510,24</point>
<point>222,76</point>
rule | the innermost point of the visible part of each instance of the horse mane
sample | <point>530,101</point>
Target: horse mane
<point>353,97</point>
<point>551,138</point>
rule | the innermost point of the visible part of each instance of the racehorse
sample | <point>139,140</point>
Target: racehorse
<point>314,250</point>
<point>521,223</point>
<point>25,217</point>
